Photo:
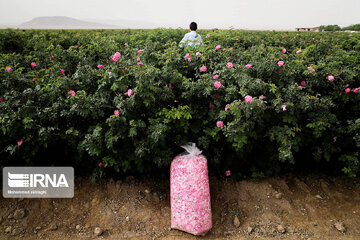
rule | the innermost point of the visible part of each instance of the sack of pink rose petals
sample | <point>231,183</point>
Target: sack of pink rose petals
<point>190,192</point>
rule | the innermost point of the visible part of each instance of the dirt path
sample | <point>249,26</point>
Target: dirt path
<point>276,208</point>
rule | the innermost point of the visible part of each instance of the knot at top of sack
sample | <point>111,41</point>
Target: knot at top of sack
<point>192,149</point>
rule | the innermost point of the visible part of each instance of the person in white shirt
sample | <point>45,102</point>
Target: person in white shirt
<point>192,38</point>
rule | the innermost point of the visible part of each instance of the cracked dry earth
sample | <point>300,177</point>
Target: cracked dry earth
<point>310,207</point>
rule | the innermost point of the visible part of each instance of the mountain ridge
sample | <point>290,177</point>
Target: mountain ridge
<point>63,22</point>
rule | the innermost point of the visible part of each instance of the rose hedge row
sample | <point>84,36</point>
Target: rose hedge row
<point>75,106</point>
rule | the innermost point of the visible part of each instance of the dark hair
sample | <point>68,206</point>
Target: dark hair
<point>193,26</point>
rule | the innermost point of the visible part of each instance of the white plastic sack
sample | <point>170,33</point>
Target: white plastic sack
<point>190,192</point>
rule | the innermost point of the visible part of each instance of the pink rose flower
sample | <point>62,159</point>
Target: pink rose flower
<point>140,51</point>
<point>356,90</point>
<point>138,59</point>
<point>331,78</point>
<point>34,79</point>
<point>350,35</point>
<point>303,83</point>
<point>129,92</point>
<point>283,107</point>
<point>217,47</point>
<point>299,51</point>
<point>140,64</point>
<point>2,99</point>
<point>227,173</point>
<point>215,77</point>
<point>280,63</point>
<point>219,124</point>
<point>284,50</point>
<point>115,59</point>
<point>109,73</point>
<point>116,56</point>
<point>19,143</point>
<point>72,93</point>
<point>189,59</point>
<point>217,84</point>
<point>231,49</point>
<point>248,66</point>
<point>197,54</point>
<point>9,69</point>
<point>100,66</point>
<point>187,55</point>
<point>227,107</point>
<point>230,65</point>
<point>248,99</point>
<point>300,87</point>
<point>347,90</point>
<point>334,138</point>
<point>126,69</point>
<point>312,70</point>
<point>52,57</point>
<point>62,71</point>
<point>75,47</point>
<point>116,112</point>
<point>33,64</point>
<point>101,164</point>
<point>170,85</point>
<point>203,69</point>
<point>283,37</point>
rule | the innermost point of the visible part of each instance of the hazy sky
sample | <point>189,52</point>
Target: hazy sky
<point>259,14</point>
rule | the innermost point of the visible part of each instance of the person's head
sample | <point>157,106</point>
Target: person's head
<point>193,26</point>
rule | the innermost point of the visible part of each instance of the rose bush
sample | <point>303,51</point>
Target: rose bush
<point>250,100</point>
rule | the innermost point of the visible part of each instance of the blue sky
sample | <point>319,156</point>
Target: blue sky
<point>251,14</point>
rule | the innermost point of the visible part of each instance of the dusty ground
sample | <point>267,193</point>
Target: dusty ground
<point>276,208</point>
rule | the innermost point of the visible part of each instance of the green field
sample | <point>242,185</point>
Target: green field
<point>256,117</point>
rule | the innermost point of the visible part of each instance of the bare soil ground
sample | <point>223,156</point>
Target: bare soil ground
<point>312,207</point>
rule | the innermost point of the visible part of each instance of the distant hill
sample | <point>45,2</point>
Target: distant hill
<point>63,22</point>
